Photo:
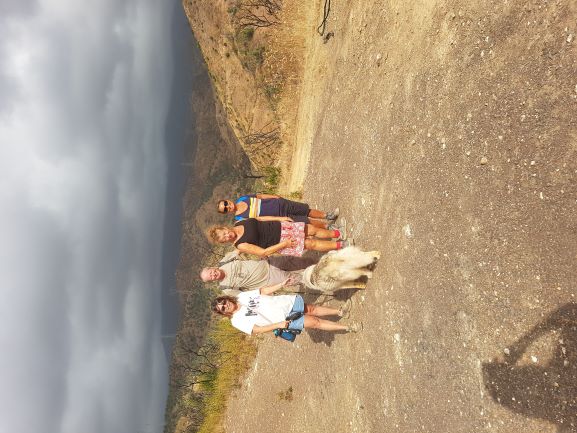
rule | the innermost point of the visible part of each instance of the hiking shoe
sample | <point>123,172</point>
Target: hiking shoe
<point>345,309</point>
<point>333,215</point>
<point>355,327</point>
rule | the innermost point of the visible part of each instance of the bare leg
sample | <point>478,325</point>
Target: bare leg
<point>315,213</point>
<point>320,311</point>
<point>326,325</point>
<point>311,230</point>
<point>318,223</point>
<point>320,245</point>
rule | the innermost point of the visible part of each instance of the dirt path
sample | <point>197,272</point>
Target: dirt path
<point>447,134</point>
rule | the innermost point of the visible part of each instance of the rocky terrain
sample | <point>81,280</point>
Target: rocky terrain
<point>446,132</point>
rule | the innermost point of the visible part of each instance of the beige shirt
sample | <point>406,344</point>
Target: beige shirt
<point>245,274</point>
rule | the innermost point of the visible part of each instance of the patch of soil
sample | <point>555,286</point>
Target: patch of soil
<point>446,132</point>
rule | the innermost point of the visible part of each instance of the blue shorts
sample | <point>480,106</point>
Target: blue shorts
<point>299,306</point>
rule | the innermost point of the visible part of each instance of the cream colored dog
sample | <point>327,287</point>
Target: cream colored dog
<point>341,270</point>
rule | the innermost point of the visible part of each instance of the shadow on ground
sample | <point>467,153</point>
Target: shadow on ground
<point>310,296</point>
<point>545,391</point>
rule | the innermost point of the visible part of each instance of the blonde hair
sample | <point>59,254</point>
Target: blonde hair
<point>211,233</point>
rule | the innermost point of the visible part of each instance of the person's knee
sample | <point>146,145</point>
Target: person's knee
<point>312,322</point>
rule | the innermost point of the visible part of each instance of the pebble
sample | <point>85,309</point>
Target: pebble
<point>534,359</point>
<point>407,231</point>
<point>506,351</point>
<point>569,38</point>
<point>484,160</point>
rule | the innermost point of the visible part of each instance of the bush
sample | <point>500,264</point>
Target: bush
<point>237,353</point>
<point>245,35</point>
<point>271,181</point>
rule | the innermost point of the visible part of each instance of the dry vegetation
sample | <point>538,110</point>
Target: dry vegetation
<point>254,52</point>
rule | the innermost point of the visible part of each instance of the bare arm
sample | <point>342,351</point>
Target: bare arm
<point>269,290</point>
<point>274,218</point>
<point>263,252</point>
<point>262,329</point>
<point>266,196</point>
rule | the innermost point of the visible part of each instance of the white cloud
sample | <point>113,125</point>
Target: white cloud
<point>82,114</point>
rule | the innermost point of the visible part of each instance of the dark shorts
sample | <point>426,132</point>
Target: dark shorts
<point>296,210</point>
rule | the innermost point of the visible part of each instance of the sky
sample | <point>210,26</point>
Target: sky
<point>84,99</point>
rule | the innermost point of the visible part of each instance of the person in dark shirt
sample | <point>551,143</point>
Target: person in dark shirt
<point>277,235</point>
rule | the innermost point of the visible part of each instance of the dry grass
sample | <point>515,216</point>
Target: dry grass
<point>237,354</point>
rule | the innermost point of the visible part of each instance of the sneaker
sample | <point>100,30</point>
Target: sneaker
<point>355,327</point>
<point>345,309</point>
<point>341,227</point>
<point>348,243</point>
<point>333,215</point>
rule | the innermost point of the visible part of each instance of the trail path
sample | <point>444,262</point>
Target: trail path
<point>447,134</point>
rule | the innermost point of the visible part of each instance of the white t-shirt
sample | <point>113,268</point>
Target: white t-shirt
<point>261,310</point>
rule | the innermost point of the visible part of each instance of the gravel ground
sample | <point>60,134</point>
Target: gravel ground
<point>447,134</point>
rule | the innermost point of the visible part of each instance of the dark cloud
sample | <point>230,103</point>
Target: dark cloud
<point>39,361</point>
<point>82,115</point>
<point>17,7</point>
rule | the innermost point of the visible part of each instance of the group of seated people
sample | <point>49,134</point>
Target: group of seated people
<point>264,225</point>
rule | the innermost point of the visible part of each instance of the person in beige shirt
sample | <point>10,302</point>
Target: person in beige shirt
<point>240,275</point>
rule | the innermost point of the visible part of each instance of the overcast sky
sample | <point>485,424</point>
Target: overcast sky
<point>84,92</point>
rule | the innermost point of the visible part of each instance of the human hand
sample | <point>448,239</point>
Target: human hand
<point>292,242</point>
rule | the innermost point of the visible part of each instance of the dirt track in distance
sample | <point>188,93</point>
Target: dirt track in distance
<point>447,134</point>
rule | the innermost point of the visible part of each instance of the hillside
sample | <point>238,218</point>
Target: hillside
<point>446,132</point>
<point>254,53</point>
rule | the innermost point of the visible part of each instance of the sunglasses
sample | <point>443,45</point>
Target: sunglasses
<point>221,306</point>
<point>226,206</point>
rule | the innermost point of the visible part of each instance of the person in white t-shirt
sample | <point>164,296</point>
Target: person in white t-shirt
<point>256,312</point>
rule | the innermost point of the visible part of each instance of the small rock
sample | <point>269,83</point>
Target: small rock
<point>468,153</point>
<point>506,351</point>
<point>407,231</point>
<point>569,38</point>
<point>534,359</point>
<point>397,338</point>
<point>484,160</point>
<point>532,162</point>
